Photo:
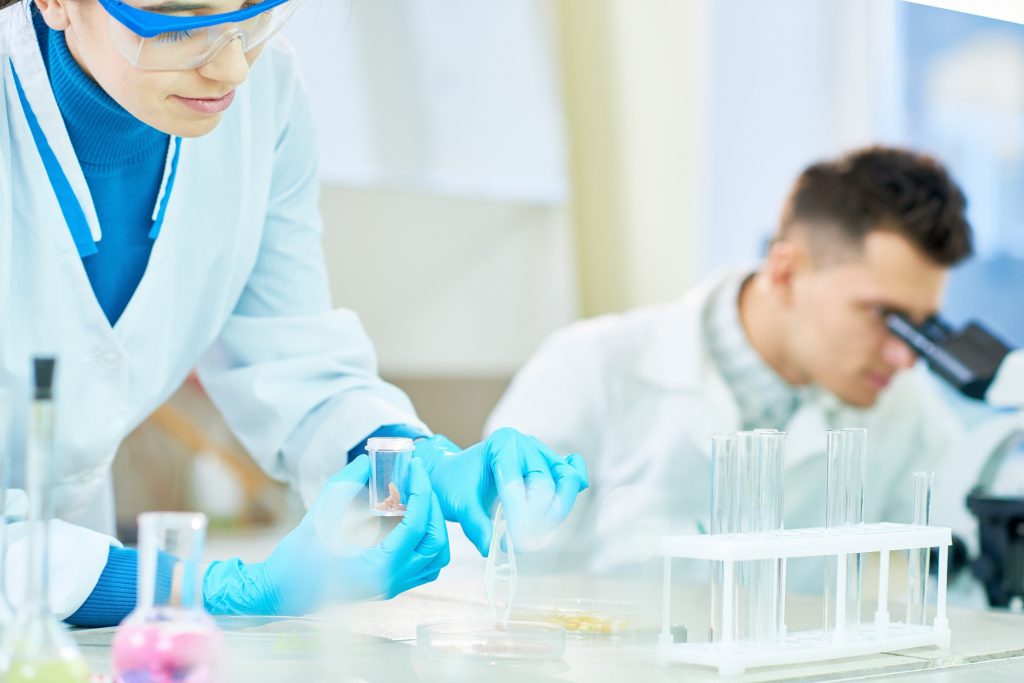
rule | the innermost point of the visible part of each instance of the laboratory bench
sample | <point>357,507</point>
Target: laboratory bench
<point>376,641</point>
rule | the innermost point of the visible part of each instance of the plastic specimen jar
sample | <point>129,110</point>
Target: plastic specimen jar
<point>169,638</point>
<point>389,474</point>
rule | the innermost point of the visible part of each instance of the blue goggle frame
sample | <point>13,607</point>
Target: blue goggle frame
<point>150,24</point>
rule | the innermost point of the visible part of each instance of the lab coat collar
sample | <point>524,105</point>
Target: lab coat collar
<point>677,356</point>
<point>677,359</point>
<point>28,62</point>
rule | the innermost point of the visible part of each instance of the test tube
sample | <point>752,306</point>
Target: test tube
<point>723,501</point>
<point>771,445</point>
<point>745,519</point>
<point>844,507</point>
<point>169,631</point>
<point>857,448</point>
<point>389,474</point>
<point>917,577</point>
<point>835,516</point>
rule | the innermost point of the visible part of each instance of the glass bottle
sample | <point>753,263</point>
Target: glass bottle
<point>169,637</point>
<point>38,648</point>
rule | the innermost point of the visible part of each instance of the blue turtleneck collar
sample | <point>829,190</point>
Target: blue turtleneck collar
<point>102,132</point>
<point>123,162</point>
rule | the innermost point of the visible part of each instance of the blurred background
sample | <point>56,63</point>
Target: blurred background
<point>495,170</point>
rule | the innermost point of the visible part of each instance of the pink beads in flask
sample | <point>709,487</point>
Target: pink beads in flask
<point>169,638</point>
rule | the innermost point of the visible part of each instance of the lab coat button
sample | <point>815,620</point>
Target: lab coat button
<point>109,360</point>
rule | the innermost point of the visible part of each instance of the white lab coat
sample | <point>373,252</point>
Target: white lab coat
<point>236,283</point>
<point>639,396</point>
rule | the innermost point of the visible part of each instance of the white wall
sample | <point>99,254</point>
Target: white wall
<point>449,286</point>
<point>687,123</point>
<point>444,158</point>
<point>793,81</point>
<point>455,97</point>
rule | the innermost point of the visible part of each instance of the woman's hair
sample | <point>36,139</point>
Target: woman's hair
<point>4,4</point>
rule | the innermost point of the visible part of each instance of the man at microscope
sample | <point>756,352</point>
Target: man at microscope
<point>803,342</point>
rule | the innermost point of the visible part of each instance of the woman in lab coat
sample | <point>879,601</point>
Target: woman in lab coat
<point>158,212</point>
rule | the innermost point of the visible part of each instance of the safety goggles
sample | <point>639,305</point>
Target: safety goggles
<point>155,41</point>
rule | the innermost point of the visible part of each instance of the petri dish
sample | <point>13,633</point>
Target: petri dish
<point>584,617</point>
<point>517,641</point>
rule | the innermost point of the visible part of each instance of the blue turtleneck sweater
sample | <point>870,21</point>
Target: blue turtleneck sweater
<point>123,162</point>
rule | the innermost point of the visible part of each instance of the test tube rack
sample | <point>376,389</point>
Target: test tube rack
<point>881,635</point>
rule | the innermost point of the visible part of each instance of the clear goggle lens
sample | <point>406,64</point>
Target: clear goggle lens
<point>183,50</point>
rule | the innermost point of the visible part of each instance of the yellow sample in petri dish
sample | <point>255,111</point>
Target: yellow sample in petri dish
<point>583,617</point>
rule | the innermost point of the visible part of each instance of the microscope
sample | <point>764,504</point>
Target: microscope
<point>980,366</point>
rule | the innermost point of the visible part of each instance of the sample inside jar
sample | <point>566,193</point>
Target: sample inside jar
<point>393,503</point>
<point>390,459</point>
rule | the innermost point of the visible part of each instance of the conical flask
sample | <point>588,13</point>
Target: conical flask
<point>37,648</point>
<point>169,638</point>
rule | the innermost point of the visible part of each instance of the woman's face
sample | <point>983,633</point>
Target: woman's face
<point>185,103</point>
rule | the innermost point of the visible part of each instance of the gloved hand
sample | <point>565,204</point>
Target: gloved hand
<point>317,562</point>
<point>536,486</point>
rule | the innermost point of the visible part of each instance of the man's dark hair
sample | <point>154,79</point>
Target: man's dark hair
<point>881,188</point>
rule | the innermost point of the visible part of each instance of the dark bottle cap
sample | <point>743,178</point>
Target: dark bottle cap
<point>44,367</point>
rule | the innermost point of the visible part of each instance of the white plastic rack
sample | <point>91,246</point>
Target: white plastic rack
<point>732,658</point>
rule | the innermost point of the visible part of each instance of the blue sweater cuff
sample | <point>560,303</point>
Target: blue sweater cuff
<point>113,597</point>
<point>386,431</point>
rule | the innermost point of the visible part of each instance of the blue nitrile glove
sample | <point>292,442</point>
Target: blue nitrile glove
<point>536,486</point>
<point>317,563</point>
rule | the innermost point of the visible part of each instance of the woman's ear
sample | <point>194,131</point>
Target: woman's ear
<point>54,13</point>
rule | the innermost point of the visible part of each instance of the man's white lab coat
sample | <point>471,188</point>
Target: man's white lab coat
<point>639,396</point>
